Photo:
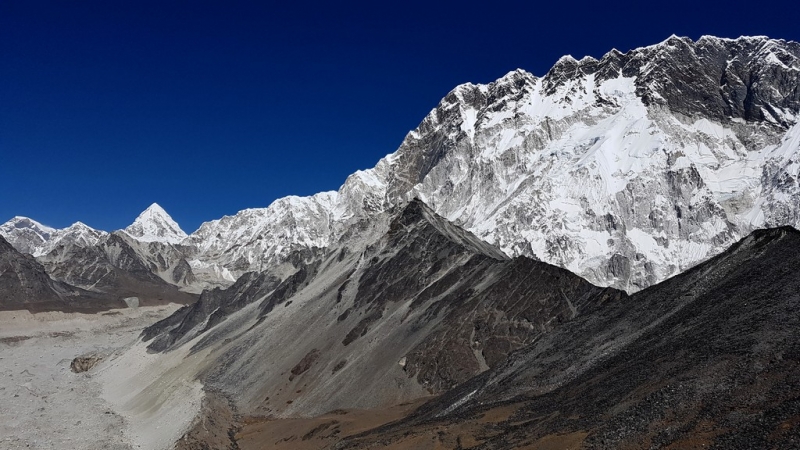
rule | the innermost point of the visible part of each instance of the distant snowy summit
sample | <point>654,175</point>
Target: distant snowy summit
<point>155,225</point>
<point>26,235</point>
<point>29,236</point>
<point>140,259</point>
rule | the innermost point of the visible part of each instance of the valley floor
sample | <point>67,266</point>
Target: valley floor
<point>316,433</point>
<point>43,404</point>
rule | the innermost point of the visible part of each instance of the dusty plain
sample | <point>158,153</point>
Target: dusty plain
<point>44,404</point>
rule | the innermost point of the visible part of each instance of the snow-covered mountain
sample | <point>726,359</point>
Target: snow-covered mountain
<point>84,257</point>
<point>625,170</point>
<point>26,235</point>
<point>31,237</point>
<point>155,225</point>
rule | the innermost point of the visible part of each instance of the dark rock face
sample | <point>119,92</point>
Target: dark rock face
<point>305,363</point>
<point>84,363</point>
<point>723,79</point>
<point>482,327</point>
<point>707,358</point>
<point>212,307</point>
<point>24,284</point>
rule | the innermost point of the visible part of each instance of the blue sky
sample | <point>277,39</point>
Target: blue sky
<point>211,107</point>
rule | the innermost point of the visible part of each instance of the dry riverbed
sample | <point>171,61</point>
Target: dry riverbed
<point>43,404</point>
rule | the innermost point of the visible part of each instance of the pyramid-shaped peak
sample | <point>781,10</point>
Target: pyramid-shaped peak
<point>154,224</point>
<point>155,207</point>
<point>154,210</point>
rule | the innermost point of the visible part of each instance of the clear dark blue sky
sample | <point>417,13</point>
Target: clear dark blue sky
<point>211,107</point>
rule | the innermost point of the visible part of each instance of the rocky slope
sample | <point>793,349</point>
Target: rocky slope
<point>421,309</point>
<point>706,359</point>
<point>24,284</point>
<point>116,265</point>
<point>625,170</point>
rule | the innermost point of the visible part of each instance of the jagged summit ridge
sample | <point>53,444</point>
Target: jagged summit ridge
<point>155,225</point>
<point>625,170</point>
<point>31,237</point>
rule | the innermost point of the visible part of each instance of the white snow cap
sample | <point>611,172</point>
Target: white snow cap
<point>26,222</point>
<point>155,225</point>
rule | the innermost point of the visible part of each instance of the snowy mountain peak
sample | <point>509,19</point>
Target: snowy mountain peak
<point>154,208</point>
<point>25,234</point>
<point>155,225</point>
<point>80,226</point>
<point>26,222</point>
<point>625,170</point>
<point>566,59</point>
<point>30,236</point>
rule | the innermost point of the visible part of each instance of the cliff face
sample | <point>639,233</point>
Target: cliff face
<point>625,170</point>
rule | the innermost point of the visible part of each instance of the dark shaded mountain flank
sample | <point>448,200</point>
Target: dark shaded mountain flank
<point>24,284</point>
<point>211,308</point>
<point>707,359</point>
<point>425,307</point>
<point>112,267</point>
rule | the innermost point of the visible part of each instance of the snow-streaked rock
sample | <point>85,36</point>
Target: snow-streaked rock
<point>625,170</point>
<point>26,235</point>
<point>31,237</point>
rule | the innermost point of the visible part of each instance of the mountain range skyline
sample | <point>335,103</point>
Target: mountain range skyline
<point>208,111</point>
<point>620,169</point>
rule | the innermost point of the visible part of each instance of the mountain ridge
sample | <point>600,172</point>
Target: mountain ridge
<point>702,357</point>
<point>24,284</point>
<point>626,169</point>
<point>695,162</point>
